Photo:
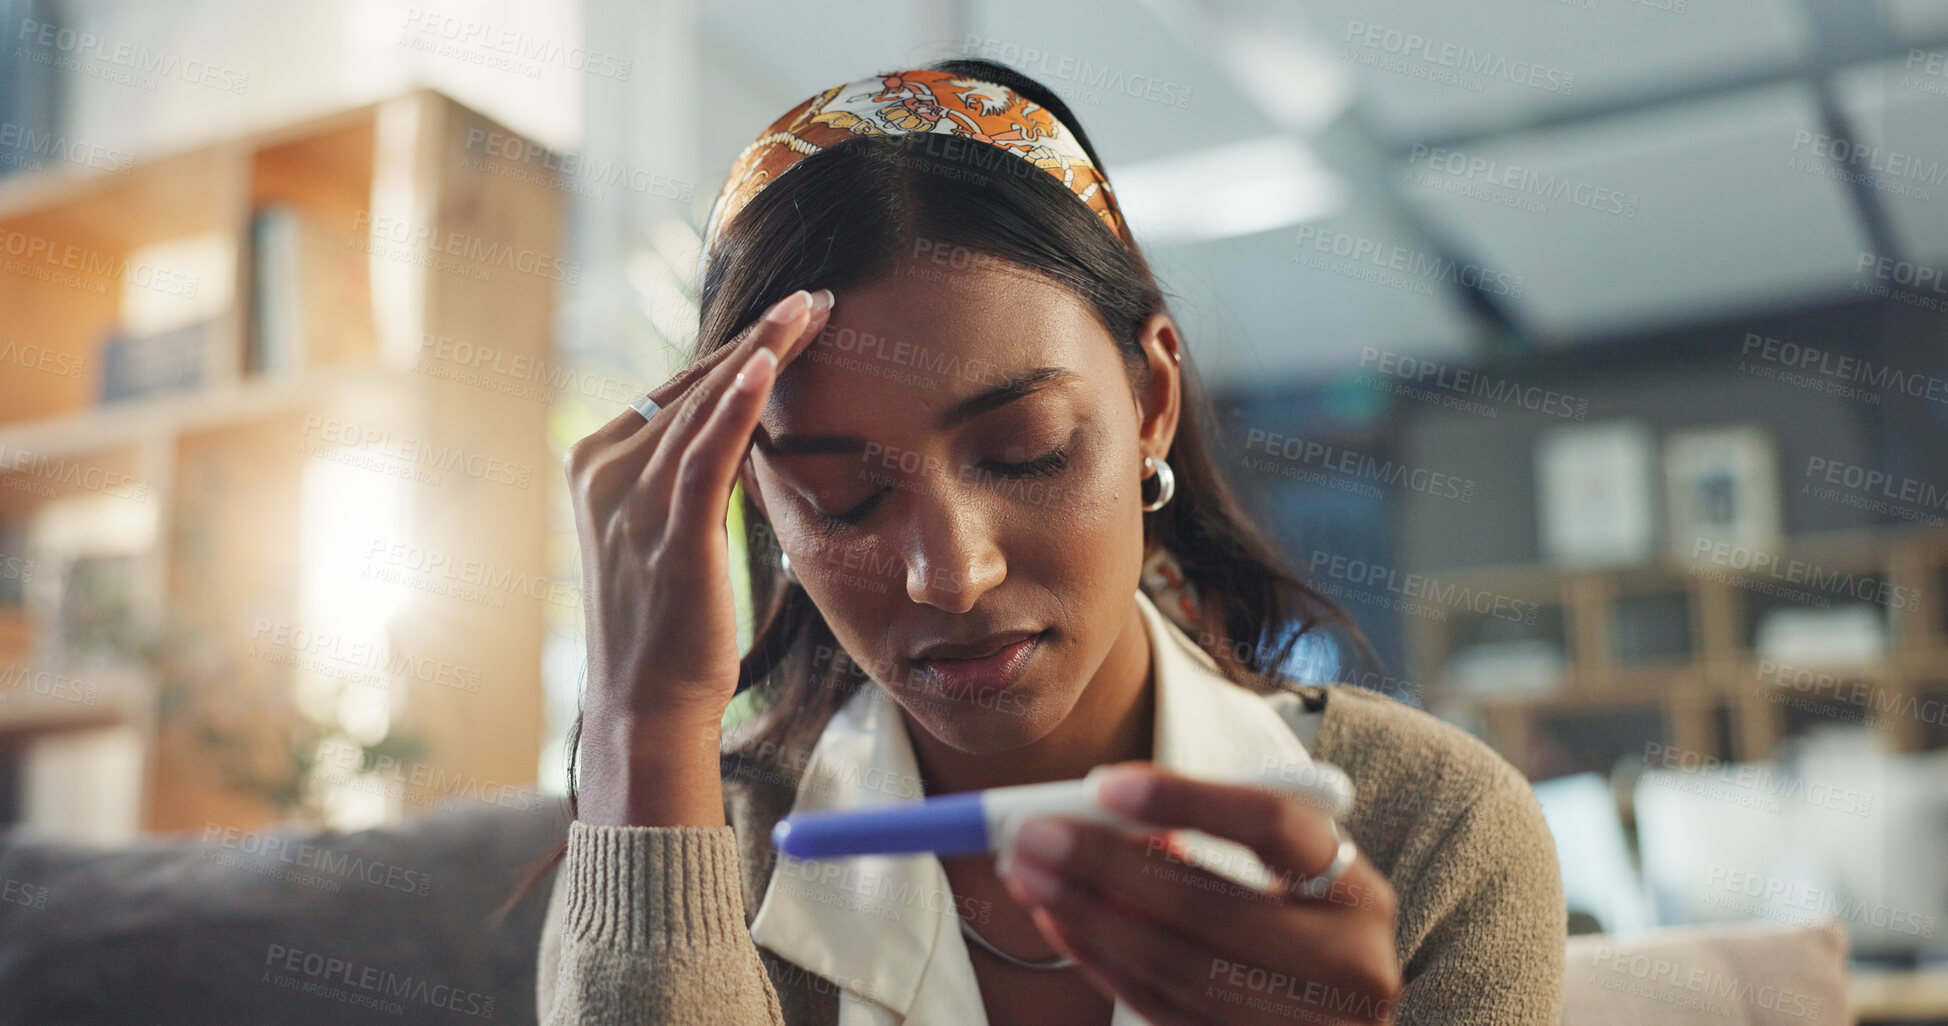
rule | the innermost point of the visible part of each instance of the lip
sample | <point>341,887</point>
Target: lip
<point>996,670</point>
<point>962,651</point>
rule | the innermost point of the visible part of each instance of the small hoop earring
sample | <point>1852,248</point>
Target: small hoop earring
<point>1166,483</point>
<point>784,563</point>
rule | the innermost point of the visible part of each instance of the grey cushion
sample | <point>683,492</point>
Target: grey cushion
<point>1729,974</point>
<point>279,926</point>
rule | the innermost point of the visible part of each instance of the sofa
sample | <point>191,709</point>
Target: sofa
<point>393,925</point>
<point>406,925</point>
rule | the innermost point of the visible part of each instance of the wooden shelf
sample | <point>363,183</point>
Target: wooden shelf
<point>1714,698</point>
<point>222,533</point>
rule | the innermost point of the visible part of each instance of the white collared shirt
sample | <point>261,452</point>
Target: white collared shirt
<point>882,927</point>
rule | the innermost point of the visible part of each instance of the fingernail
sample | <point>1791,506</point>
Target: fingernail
<point>1046,839</point>
<point>1040,884</point>
<point>825,299</point>
<point>745,378</point>
<point>788,307</point>
<point>1125,790</point>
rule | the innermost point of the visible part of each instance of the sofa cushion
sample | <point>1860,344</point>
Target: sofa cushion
<point>1721,975</point>
<point>282,925</point>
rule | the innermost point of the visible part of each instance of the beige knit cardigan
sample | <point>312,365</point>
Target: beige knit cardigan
<point>651,924</point>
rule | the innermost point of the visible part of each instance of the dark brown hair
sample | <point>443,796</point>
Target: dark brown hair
<point>842,218</point>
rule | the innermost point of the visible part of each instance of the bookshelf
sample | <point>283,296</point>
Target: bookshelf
<point>1668,653</point>
<point>245,503</point>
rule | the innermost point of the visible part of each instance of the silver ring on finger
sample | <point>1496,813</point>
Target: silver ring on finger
<point>1321,885</point>
<point>644,405</point>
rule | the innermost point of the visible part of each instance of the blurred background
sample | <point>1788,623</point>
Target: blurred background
<point>1592,353</point>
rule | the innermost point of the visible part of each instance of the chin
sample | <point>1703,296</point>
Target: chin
<point>995,723</point>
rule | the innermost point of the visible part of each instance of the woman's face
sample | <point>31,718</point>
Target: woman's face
<point>924,502</point>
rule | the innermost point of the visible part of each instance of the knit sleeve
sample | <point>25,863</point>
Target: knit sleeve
<point>1481,929</point>
<point>646,926</point>
<point>1486,909</point>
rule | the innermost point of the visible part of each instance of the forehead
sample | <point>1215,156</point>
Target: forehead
<point>927,335</point>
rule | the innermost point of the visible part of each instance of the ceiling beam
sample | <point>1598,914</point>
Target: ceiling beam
<point>1823,64</point>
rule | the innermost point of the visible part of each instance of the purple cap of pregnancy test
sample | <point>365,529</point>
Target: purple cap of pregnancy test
<point>951,824</point>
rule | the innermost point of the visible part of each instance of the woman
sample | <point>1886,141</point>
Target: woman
<point>941,371</point>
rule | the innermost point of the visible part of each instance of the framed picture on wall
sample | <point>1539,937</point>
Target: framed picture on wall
<point>1721,487</point>
<point>1596,493</point>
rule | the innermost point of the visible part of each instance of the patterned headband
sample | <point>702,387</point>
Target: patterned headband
<point>916,101</point>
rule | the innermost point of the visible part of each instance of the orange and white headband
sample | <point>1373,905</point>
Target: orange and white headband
<point>915,101</point>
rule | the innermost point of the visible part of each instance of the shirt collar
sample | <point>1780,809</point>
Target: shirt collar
<point>878,925</point>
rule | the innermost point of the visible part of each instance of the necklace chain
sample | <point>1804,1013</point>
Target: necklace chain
<point>1053,963</point>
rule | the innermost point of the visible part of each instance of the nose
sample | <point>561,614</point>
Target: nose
<point>952,559</point>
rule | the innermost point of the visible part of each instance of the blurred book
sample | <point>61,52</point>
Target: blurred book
<point>1520,667</point>
<point>310,294</point>
<point>276,337</point>
<point>176,360</point>
<point>1849,635</point>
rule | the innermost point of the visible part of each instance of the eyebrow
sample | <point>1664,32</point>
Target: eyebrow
<point>953,416</point>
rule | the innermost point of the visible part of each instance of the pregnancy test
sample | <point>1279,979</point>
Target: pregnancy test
<point>985,821</point>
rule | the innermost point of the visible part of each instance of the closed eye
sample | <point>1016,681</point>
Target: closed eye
<point>1048,464</point>
<point>831,522</point>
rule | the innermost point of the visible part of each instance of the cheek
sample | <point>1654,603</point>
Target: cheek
<point>1096,505</point>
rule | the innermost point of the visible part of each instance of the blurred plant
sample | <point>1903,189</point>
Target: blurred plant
<point>245,718</point>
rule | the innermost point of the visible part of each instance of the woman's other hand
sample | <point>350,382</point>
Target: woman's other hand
<point>1182,945</point>
<point>650,499</point>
